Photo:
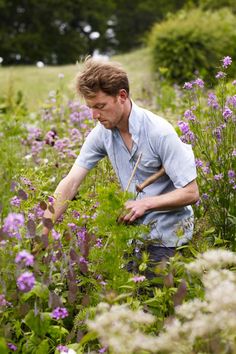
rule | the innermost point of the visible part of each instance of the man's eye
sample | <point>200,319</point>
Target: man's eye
<point>100,106</point>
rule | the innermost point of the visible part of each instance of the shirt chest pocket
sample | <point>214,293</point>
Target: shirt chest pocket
<point>148,166</point>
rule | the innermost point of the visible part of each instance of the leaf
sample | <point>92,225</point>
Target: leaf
<point>43,205</point>
<point>39,324</point>
<point>22,195</point>
<point>31,227</point>
<point>51,209</point>
<point>31,345</point>
<point>168,280</point>
<point>45,242</point>
<point>180,294</point>
<point>209,231</point>
<point>56,331</point>
<point>3,346</point>
<point>88,337</point>
<point>47,223</point>
<point>54,300</point>
<point>43,347</point>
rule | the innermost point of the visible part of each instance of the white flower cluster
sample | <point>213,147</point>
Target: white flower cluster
<point>118,328</point>
<point>208,325</point>
<point>212,259</point>
<point>212,318</point>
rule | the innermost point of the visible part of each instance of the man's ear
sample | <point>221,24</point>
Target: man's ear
<point>123,95</point>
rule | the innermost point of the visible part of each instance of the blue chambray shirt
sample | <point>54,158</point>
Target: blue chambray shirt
<point>160,145</point>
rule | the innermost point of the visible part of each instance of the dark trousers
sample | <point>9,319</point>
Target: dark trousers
<point>156,255</point>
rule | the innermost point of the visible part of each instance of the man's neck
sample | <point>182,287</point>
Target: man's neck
<point>123,126</point>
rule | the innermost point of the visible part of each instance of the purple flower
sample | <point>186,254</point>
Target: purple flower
<point>227,61</point>
<point>3,301</point>
<point>75,135</point>
<point>199,82</point>
<point>55,235</point>
<point>184,127</point>
<point>38,211</point>
<point>212,101</point>
<point>218,177</point>
<point>227,113</point>
<point>217,133</point>
<point>103,350</point>
<point>188,138</point>
<point>231,174</point>
<point>37,147</point>
<point>188,85</point>
<point>12,224</point>
<point>220,75</point>
<point>232,100</point>
<point>234,82</point>
<point>205,196</point>
<point>34,133</point>
<point>72,226</point>
<point>98,243</point>
<point>188,114</point>
<point>76,214</point>
<point>138,278</point>
<point>25,257</point>
<point>26,282</point>
<point>59,313</point>
<point>234,152</point>
<point>81,234</point>
<point>12,346</point>
<point>27,182</point>
<point>50,137</point>
<point>15,201</point>
<point>51,199</point>
<point>62,348</point>
<point>198,163</point>
<point>83,260</point>
<point>206,170</point>
<point>62,144</point>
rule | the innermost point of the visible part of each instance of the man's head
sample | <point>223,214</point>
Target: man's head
<point>105,87</point>
<point>98,75</point>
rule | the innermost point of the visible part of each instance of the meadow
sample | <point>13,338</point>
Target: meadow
<point>71,292</point>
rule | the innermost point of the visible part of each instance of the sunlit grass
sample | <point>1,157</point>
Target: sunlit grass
<point>35,83</point>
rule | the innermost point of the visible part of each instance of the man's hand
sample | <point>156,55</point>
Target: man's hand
<point>135,209</point>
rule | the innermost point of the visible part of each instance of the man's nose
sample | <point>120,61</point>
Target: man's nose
<point>96,113</point>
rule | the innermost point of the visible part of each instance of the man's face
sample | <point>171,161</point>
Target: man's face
<point>108,110</point>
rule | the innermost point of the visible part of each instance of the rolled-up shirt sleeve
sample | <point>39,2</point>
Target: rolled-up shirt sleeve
<point>93,149</point>
<point>177,159</point>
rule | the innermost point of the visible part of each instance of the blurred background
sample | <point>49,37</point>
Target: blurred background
<point>156,40</point>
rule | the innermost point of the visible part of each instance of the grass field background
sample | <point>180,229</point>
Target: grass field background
<point>35,83</point>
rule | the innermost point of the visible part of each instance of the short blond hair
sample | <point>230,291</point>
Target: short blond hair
<point>99,75</point>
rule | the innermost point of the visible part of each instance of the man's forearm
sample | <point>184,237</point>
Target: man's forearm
<point>168,201</point>
<point>63,194</point>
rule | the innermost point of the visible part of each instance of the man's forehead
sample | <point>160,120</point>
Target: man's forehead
<point>100,97</point>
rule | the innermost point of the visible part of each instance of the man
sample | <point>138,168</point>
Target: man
<point>123,133</point>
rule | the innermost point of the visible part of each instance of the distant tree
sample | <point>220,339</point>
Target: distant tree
<point>135,17</point>
<point>54,31</point>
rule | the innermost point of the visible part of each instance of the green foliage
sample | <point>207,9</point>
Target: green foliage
<point>83,261</point>
<point>217,4</point>
<point>51,31</point>
<point>192,42</point>
<point>210,127</point>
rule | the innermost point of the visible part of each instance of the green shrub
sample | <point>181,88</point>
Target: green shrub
<point>191,43</point>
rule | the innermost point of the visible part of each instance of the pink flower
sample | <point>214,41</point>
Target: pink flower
<point>138,278</point>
